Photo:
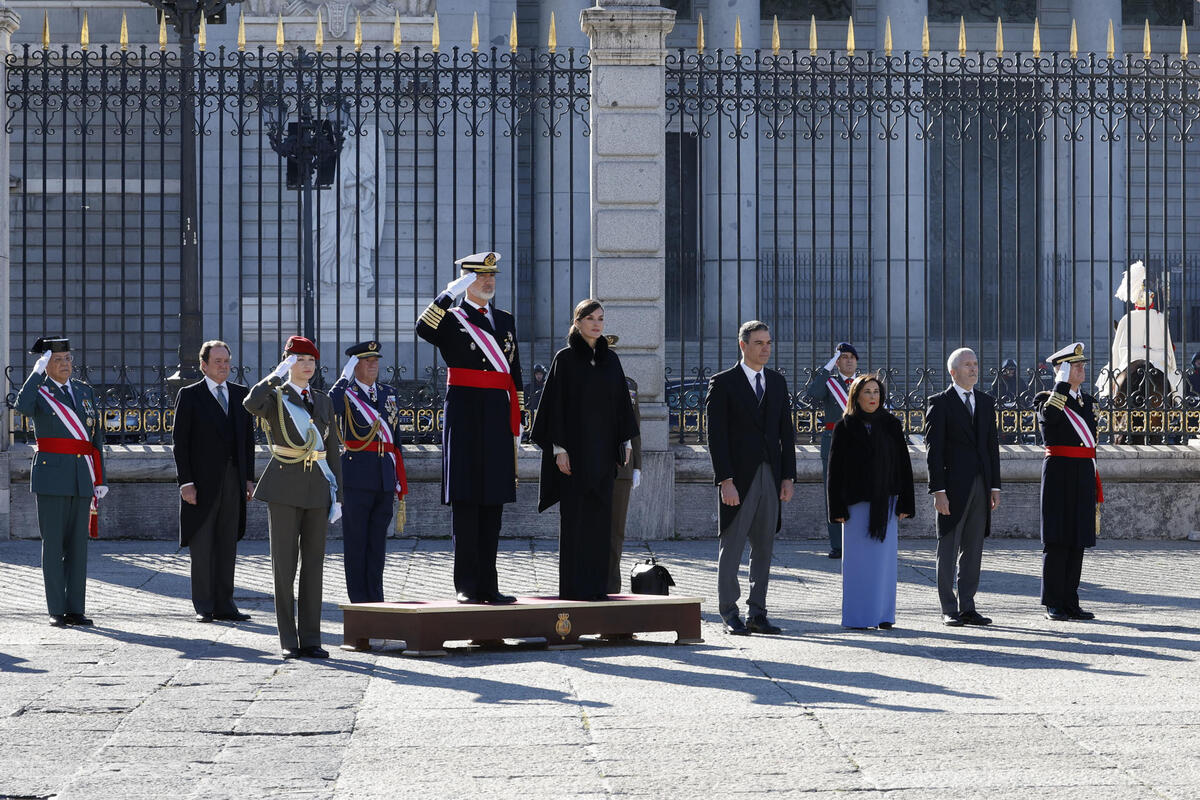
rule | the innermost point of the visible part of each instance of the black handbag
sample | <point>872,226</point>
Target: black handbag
<point>650,577</point>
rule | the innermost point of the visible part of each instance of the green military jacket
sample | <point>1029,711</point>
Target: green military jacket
<point>61,474</point>
<point>818,391</point>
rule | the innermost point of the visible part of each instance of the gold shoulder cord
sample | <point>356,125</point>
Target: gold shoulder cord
<point>310,440</point>
<point>352,431</point>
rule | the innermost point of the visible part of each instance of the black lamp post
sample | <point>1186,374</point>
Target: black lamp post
<point>184,16</point>
<point>311,146</point>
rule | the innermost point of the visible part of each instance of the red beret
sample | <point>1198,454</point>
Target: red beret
<point>299,346</point>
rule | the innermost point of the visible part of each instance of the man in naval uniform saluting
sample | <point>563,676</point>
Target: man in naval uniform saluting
<point>67,474</point>
<point>830,386</point>
<point>482,421</point>
<point>1071,486</point>
<point>372,468</point>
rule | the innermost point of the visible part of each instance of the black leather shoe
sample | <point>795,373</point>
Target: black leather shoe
<point>58,620</point>
<point>314,652</point>
<point>952,620</point>
<point>735,627</point>
<point>79,619</point>
<point>291,652</point>
<point>973,617</point>
<point>497,599</point>
<point>1079,613</point>
<point>760,624</point>
<point>885,626</point>
<point>204,618</point>
<point>236,616</point>
<point>1057,614</point>
<point>463,597</point>
<point>835,553</point>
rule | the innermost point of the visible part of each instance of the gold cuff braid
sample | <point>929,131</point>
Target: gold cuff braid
<point>1057,400</point>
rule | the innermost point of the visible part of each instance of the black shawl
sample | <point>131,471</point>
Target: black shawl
<point>868,461</point>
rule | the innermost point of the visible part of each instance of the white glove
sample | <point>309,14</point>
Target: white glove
<point>637,478</point>
<point>283,367</point>
<point>460,285</point>
<point>348,370</point>
<point>1062,373</point>
<point>335,513</point>
<point>833,361</point>
<point>100,491</point>
<point>40,365</point>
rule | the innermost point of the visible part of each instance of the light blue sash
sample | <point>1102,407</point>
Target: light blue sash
<point>304,423</point>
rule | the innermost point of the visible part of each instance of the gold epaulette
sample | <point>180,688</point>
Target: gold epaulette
<point>432,316</point>
<point>1057,400</point>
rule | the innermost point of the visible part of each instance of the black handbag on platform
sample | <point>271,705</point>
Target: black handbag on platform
<point>650,577</point>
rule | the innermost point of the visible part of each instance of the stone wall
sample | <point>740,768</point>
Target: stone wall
<point>1152,492</point>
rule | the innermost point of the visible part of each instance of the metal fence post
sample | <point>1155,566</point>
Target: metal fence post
<point>628,241</point>
<point>9,21</point>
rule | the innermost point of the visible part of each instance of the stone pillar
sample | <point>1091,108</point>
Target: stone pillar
<point>9,20</point>
<point>628,237</point>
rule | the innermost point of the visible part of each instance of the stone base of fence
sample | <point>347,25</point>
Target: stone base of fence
<point>1152,492</point>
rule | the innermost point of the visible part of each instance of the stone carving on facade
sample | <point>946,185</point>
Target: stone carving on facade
<point>339,15</point>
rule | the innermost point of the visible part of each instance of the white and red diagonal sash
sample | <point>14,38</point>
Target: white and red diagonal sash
<point>74,426</point>
<point>1085,435</point>
<point>835,387</point>
<point>385,433</point>
<point>486,342</point>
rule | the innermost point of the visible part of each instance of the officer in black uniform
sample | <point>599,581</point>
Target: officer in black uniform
<point>372,468</point>
<point>482,421</point>
<point>1070,484</point>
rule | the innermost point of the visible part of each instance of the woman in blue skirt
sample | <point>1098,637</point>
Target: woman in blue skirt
<point>870,488</point>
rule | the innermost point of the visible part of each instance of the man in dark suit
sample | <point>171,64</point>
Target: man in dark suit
<point>372,468</point>
<point>214,464</point>
<point>482,421</point>
<point>752,443</point>
<point>963,455</point>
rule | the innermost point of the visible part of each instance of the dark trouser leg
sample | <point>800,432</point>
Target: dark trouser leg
<point>960,552</point>
<point>75,552</point>
<point>224,542</point>
<point>729,555</point>
<point>314,527</point>
<point>53,515</point>
<point>377,532</point>
<point>620,510</point>
<point>488,543</point>
<point>762,540</point>
<point>833,528</point>
<point>356,515</point>
<point>1055,560</point>
<point>1074,571</point>
<point>283,525</point>
<point>200,548</point>
<point>465,524</point>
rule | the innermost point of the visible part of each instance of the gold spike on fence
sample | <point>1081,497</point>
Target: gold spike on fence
<point>737,36</point>
<point>1146,42</point>
<point>925,38</point>
<point>279,40</point>
<point>46,30</point>
<point>475,33</point>
<point>84,36</point>
<point>202,34</point>
<point>1037,39</point>
<point>775,43</point>
<point>396,33</point>
<point>436,36</point>
<point>999,39</point>
<point>319,34</point>
<point>700,35</point>
<point>1183,42</point>
<point>850,37</point>
<point>887,37</point>
<point>1074,46</point>
<point>812,35</point>
<point>241,39</point>
<point>512,34</point>
<point>162,30</point>
<point>124,32</point>
<point>962,37</point>
<point>552,39</point>
<point>358,33</point>
<point>1111,42</point>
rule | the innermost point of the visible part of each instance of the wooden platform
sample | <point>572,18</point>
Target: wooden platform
<point>424,627</point>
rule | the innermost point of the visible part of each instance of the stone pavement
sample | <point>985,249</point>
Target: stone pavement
<point>151,704</point>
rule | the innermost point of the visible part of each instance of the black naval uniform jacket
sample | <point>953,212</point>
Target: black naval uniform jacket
<point>1068,484</point>
<point>478,450</point>
<point>366,470</point>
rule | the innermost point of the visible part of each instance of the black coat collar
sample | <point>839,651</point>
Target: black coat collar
<point>579,347</point>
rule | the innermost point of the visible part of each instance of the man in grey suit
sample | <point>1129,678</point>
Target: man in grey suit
<point>964,478</point>
<point>302,486</point>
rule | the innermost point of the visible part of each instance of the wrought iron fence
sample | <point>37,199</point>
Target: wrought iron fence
<point>445,154</point>
<point>913,204</point>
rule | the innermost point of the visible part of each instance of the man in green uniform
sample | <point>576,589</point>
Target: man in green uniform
<point>830,386</point>
<point>67,474</point>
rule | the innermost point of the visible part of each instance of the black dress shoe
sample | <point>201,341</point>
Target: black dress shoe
<point>497,599</point>
<point>463,597</point>
<point>1057,614</point>
<point>973,617</point>
<point>885,626</point>
<point>835,553</point>
<point>58,620</point>
<point>291,652</point>
<point>79,619</point>
<point>735,627</point>
<point>204,618</point>
<point>236,616</point>
<point>314,652</point>
<point>1079,613</point>
<point>952,620</point>
<point>760,624</point>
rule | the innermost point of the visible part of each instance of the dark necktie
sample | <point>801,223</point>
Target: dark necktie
<point>222,399</point>
<point>66,395</point>
<point>970,405</point>
<point>758,386</point>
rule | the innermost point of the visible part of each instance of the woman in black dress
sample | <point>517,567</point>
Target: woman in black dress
<point>584,424</point>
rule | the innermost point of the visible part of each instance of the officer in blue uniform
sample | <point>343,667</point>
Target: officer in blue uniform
<point>372,468</point>
<point>482,420</point>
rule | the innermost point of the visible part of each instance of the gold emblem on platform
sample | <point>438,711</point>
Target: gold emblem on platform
<point>563,626</point>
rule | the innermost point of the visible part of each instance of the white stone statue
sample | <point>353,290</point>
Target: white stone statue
<point>357,189</point>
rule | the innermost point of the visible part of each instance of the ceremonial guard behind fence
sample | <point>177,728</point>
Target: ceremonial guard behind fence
<point>67,475</point>
<point>1071,489</point>
<point>302,487</point>
<point>213,442</point>
<point>830,386</point>
<point>372,468</point>
<point>482,419</point>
